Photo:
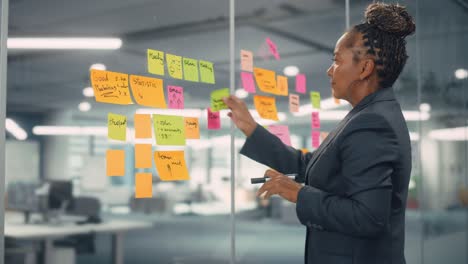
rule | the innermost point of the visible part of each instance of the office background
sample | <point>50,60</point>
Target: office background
<point>189,222</point>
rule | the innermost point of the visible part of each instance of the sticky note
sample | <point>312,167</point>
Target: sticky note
<point>169,130</point>
<point>117,127</point>
<point>301,83</point>
<point>315,120</point>
<point>115,162</point>
<point>174,66</point>
<point>217,102</point>
<point>282,85</point>
<point>110,87</point>
<point>294,103</point>
<point>315,99</point>
<point>246,60</point>
<point>266,107</point>
<point>304,150</point>
<point>155,62</point>
<point>142,124</point>
<point>175,95</point>
<point>273,48</point>
<point>192,128</point>
<point>282,132</point>
<point>315,139</point>
<point>190,69</point>
<point>248,82</point>
<point>143,185</point>
<point>207,74</point>
<point>214,120</point>
<point>171,165</point>
<point>148,91</point>
<point>266,80</point>
<point>143,156</point>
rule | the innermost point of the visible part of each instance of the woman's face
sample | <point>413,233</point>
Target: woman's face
<point>344,71</point>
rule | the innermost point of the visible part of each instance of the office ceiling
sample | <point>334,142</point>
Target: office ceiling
<point>304,30</point>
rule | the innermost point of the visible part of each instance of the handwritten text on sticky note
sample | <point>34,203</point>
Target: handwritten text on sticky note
<point>148,91</point>
<point>315,120</point>
<point>174,66</point>
<point>110,87</point>
<point>266,80</point>
<point>190,69</point>
<point>117,127</point>
<point>246,60</point>
<point>214,120</point>
<point>217,102</point>
<point>169,130</point>
<point>175,94</point>
<point>266,107</point>
<point>207,74</point>
<point>171,165</point>
<point>273,48</point>
<point>294,103</point>
<point>282,85</point>
<point>192,128</point>
<point>155,62</point>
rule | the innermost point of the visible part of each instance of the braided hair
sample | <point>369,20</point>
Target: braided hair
<point>383,35</point>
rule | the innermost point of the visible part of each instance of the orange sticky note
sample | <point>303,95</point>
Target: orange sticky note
<point>171,165</point>
<point>110,87</point>
<point>192,129</point>
<point>148,91</point>
<point>115,162</point>
<point>282,84</point>
<point>304,150</point>
<point>142,126</point>
<point>266,80</point>
<point>143,185</point>
<point>266,107</point>
<point>143,156</point>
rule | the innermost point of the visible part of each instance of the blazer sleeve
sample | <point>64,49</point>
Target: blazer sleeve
<point>368,152</point>
<point>268,149</point>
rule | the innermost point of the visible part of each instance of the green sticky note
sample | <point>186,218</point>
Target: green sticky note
<point>117,127</point>
<point>315,99</point>
<point>169,130</point>
<point>190,69</point>
<point>155,62</point>
<point>174,65</point>
<point>207,72</point>
<point>217,102</point>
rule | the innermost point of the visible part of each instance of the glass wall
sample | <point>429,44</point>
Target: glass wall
<point>57,128</point>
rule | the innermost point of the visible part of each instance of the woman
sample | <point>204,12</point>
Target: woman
<point>356,183</point>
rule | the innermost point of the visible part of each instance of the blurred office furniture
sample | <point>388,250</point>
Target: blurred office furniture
<point>15,228</point>
<point>21,197</point>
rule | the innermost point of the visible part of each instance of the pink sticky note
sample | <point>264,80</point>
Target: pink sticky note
<point>315,139</point>
<point>293,103</point>
<point>282,132</point>
<point>248,82</point>
<point>301,83</point>
<point>273,48</point>
<point>214,121</point>
<point>315,120</point>
<point>175,94</point>
<point>246,60</point>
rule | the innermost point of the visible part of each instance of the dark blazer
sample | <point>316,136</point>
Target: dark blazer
<point>356,183</point>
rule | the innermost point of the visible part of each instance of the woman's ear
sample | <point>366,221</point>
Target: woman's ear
<point>367,69</point>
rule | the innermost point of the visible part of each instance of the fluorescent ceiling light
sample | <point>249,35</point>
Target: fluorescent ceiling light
<point>88,92</point>
<point>450,134</point>
<point>242,93</point>
<point>461,74</point>
<point>98,66</point>
<point>14,129</point>
<point>69,130</point>
<point>84,106</point>
<point>291,71</point>
<point>64,43</point>
<point>425,107</point>
<point>188,112</point>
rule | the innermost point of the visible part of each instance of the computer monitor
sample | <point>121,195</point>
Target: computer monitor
<point>60,194</point>
<point>21,196</point>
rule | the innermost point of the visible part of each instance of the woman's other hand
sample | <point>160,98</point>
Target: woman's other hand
<point>240,115</point>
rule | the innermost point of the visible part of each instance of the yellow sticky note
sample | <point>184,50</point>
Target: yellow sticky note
<point>266,107</point>
<point>190,69</point>
<point>266,80</point>
<point>282,84</point>
<point>148,91</point>
<point>171,165</point>
<point>142,126</point>
<point>117,127</point>
<point>315,99</point>
<point>174,65</point>
<point>207,74</point>
<point>143,185</point>
<point>110,87</point>
<point>217,102</point>
<point>169,130</point>
<point>192,128</point>
<point>115,162</point>
<point>143,156</point>
<point>155,61</point>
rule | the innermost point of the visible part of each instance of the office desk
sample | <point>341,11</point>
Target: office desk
<point>17,229</point>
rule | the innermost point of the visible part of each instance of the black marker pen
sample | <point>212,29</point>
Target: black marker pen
<point>264,179</point>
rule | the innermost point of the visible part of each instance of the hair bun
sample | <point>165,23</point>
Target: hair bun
<point>391,18</point>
